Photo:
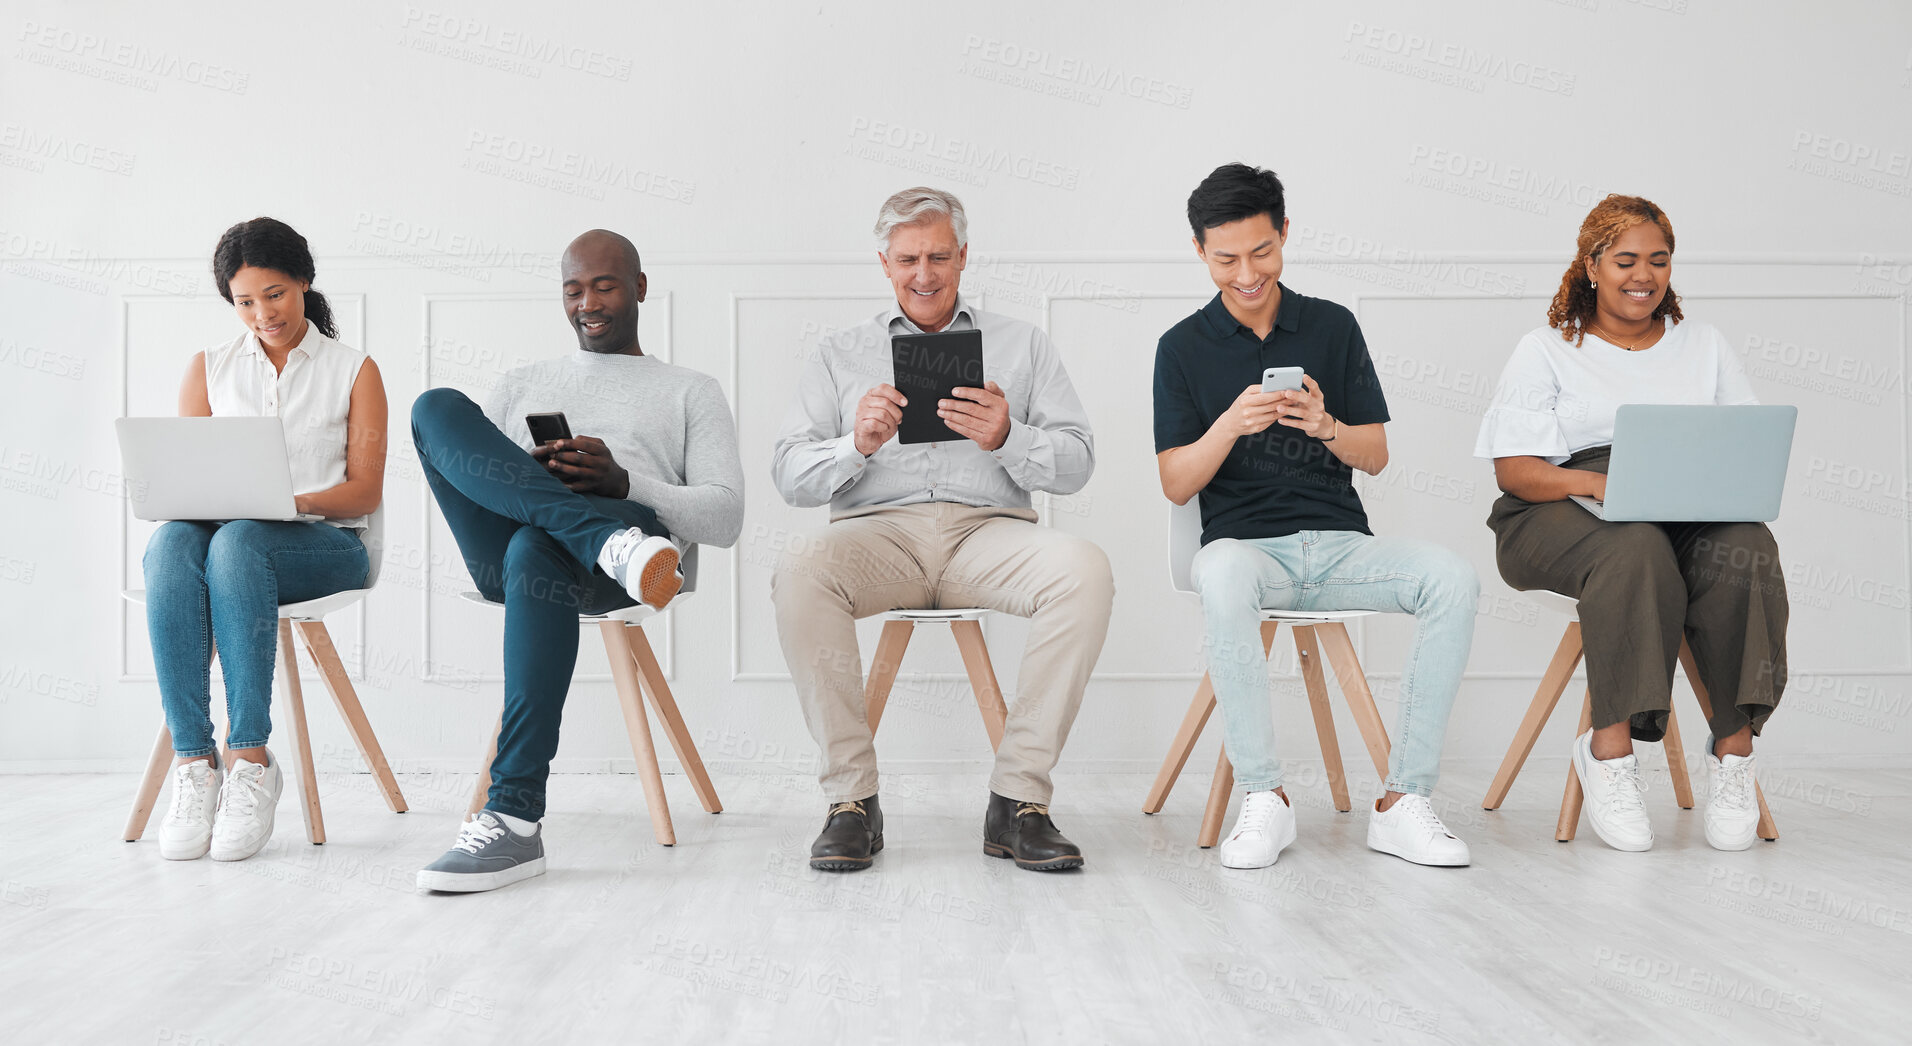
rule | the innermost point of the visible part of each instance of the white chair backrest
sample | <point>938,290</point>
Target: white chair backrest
<point>374,539</point>
<point>1184,540</point>
<point>688,564</point>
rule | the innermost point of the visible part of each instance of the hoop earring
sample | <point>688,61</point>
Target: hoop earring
<point>1592,285</point>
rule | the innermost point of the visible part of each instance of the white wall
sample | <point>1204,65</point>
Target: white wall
<point>1438,167</point>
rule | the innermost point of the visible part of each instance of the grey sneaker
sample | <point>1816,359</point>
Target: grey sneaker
<point>486,856</point>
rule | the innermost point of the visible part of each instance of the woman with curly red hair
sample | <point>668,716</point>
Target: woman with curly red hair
<point>1616,334</point>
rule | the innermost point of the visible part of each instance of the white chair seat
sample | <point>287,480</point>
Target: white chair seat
<point>1313,617</point>
<point>630,615</point>
<point>1556,602</point>
<point>958,614</point>
<point>305,610</point>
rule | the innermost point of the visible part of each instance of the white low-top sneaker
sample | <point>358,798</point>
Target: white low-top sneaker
<point>1412,831</point>
<point>646,565</point>
<point>1613,789</point>
<point>186,833</point>
<point>1265,826</point>
<point>1732,808</point>
<point>247,804</point>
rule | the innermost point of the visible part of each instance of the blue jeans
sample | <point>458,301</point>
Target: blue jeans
<point>1336,570</point>
<point>221,584</point>
<point>532,544</point>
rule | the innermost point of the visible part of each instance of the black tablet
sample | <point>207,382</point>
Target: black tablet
<point>928,368</point>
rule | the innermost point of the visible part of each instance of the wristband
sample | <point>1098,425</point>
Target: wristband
<point>1337,430</point>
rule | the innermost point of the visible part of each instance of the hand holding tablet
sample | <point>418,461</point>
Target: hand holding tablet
<point>878,414</point>
<point>978,414</point>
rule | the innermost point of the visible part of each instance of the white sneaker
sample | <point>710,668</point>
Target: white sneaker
<point>186,833</point>
<point>644,564</point>
<point>1613,789</point>
<point>1265,826</point>
<point>1732,810</point>
<point>1412,831</point>
<point>247,804</point>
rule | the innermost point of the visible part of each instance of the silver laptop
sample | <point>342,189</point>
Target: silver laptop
<point>207,469</point>
<point>1696,464</point>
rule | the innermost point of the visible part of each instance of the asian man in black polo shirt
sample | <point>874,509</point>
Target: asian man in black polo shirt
<point>1282,526</point>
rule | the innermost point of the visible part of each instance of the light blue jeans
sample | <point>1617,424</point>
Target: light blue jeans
<point>222,583</point>
<point>1336,570</point>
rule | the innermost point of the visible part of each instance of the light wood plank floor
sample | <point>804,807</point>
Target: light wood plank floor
<point>729,937</point>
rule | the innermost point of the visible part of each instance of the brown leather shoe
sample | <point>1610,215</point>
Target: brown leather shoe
<point>1025,832</point>
<point>852,835</point>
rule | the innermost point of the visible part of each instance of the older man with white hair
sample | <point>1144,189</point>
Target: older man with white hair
<point>942,524</point>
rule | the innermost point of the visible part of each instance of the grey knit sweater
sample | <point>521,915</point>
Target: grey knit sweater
<point>668,426</point>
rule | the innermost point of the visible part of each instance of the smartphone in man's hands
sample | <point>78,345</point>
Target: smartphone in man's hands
<point>1282,379</point>
<point>547,426</point>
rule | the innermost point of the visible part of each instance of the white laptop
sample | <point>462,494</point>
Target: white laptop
<point>212,469</point>
<point>1675,463</point>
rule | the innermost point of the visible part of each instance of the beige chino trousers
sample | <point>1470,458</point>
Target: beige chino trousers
<point>941,555</point>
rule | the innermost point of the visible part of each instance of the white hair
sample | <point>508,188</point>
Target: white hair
<point>917,204</point>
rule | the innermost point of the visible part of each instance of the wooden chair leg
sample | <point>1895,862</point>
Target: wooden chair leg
<point>889,658</point>
<point>1218,795</point>
<point>624,671</point>
<point>1570,800</point>
<point>482,794</point>
<point>1222,786</point>
<point>1309,654</point>
<point>1193,721</point>
<point>318,644</point>
<point>651,675</point>
<point>1768,829</point>
<point>306,775</point>
<point>982,678</point>
<point>149,784</point>
<point>1354,686</point>
<point>1565,659</point>
<point>1676,761</point>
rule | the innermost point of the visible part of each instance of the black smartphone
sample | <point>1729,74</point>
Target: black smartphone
<point>548,426</point>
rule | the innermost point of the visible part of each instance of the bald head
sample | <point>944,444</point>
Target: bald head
<point>605,244</point>
<point>603,284</point>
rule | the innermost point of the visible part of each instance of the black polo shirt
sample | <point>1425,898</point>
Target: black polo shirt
<point>1277,481</point>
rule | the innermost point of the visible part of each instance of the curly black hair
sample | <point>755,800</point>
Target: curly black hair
<point>269,243</point>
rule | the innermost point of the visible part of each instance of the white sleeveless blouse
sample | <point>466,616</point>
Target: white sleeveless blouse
<point>312,397</point>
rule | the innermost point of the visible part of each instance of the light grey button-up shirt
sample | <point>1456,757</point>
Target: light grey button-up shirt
<point>1049,446</point>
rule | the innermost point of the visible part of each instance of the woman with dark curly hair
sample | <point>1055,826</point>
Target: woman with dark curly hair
<point>1615,334</point>
<point>219,585</point>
